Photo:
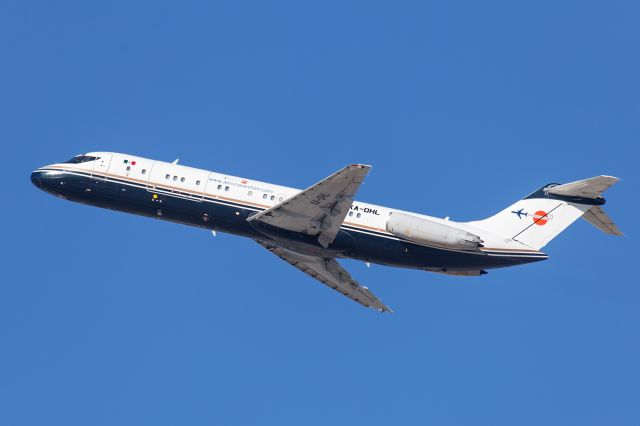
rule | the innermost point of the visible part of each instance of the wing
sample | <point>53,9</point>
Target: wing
<point>320,209</point>
<point>329,272</point>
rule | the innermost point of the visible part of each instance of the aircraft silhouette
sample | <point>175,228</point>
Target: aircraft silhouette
<point>520,213</point>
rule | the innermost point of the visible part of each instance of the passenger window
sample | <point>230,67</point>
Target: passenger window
<point>219,186</point>
<point>128,168</point>
<point>264,196</point>
<point>280,199</point>
<point>250,193</point>
<point>350,214</point>
<point>197,182</point>
<point>175,178</point>
<point>181,179</point>
<point>226,188</point>
<point>167,176</point>
<point>358,215</point>
<point>273,197</point>
<point>144,171</point>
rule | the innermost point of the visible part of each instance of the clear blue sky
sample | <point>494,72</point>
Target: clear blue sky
<point>462,108</point>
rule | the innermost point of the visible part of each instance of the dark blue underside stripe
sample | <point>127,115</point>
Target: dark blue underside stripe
<point>199,198</point>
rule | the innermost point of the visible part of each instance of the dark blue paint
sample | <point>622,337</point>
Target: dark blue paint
<point>232,218</point>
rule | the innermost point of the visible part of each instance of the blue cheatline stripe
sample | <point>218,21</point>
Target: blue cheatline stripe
<point>199,198</point>
<point>161,189</point>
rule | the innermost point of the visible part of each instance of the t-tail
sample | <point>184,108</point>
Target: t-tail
<point>541,216</point>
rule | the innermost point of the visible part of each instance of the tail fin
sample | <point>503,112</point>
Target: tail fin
<point>542,215</point>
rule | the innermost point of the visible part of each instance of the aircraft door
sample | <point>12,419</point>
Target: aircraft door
<point>99,175</point>
<point>149,182</point>
<point>101,165</point>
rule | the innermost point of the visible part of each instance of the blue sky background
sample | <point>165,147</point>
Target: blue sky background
<point>462,108</point>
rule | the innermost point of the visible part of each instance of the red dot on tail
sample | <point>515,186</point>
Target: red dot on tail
<point>540,218</point>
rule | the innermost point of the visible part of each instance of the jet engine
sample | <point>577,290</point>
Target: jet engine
<point>423,231</point>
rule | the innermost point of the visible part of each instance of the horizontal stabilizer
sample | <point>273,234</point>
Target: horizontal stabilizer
<point>598,218</point>
<point>586,188</point>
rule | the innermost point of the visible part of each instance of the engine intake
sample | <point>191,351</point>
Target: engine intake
<point>423,231</point>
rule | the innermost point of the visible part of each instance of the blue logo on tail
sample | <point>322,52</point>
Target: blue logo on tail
<point>520,213</point>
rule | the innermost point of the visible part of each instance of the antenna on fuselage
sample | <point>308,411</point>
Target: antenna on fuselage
<point>175,161</point>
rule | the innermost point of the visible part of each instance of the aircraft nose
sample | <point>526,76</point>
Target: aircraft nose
<point>37,178</point>
<point>48,180</point>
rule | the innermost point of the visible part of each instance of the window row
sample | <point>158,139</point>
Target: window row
<point>175,178</point>
<point>250,194</point>
<point>167,176</point>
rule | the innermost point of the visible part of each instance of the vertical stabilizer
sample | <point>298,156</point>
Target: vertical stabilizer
<point>542,215</point>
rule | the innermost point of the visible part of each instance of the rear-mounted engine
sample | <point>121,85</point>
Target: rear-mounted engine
<point>423,231</point>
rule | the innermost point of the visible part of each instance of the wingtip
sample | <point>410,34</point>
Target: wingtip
<point>614,179</point>
<point>360,166</point>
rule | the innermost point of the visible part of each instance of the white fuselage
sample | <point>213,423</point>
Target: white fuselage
<point>198,182</point>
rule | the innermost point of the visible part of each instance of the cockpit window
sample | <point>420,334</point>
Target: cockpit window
<point>81,159</point>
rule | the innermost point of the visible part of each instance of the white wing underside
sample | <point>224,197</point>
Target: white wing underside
<point>320,209</point>
<point>330,273</point>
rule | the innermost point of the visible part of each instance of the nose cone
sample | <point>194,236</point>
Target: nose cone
<point>49,180</point>
<point>36,178</point>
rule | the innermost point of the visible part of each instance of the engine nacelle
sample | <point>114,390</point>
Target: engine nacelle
<point>423,231</point>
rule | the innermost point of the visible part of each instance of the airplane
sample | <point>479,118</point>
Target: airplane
<point>311,229</point>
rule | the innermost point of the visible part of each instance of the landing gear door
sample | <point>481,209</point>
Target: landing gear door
<point>101,166</point>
